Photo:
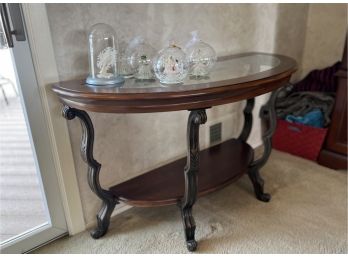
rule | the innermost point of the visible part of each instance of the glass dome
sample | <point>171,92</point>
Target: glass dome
<point>123,61</point>
<point>171,66</point>
<point>142,61</point>
<point>200,56</point>
<point>103,51</point>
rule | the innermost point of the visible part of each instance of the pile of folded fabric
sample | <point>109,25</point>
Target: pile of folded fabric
<point>303,112</point>
<point>308,108</point>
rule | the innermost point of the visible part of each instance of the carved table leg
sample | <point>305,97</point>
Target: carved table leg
<point>248,120</point>
<point>196,118</point>
<point>268,116</point>
<point>109,201</point>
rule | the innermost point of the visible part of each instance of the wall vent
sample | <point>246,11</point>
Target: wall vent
<point>215,132</point>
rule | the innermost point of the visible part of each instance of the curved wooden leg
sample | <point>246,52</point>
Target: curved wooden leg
<point>196,118</point>
<point>248,120</point>
<point>268,116</point>
<point>109,201</point>
<point>258,183</point>
<point>103,219</point>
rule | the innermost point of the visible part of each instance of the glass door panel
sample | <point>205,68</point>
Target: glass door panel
<point>31,211</point>
<point>21,200</point>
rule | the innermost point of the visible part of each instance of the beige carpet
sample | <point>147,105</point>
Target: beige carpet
<point>307,214</point>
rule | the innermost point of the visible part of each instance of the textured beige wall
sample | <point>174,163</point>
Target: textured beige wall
<point>325,36</point>
<point>128,145</point>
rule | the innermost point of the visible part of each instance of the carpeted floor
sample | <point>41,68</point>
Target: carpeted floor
<point>307,214</point>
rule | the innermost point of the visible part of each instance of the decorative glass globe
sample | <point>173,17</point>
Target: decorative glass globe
<point>103,51</point>
<point>123,61</point>
<point>200,56</point>
<point>171,66</point>
<point>142,61</point>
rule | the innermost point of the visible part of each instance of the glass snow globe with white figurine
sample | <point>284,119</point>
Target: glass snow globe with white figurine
<point>123,60</point>
<point>141,60</point>
<point>103,52</point>
<point>171,66</point>
<point>201,57</point>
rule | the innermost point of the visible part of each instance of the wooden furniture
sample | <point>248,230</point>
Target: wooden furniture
<point>234,78</point>
<point>334,152</point>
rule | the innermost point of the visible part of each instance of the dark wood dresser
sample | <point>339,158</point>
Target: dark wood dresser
<point>334,152</point>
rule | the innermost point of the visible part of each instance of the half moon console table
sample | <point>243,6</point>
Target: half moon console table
<point>234,78</point>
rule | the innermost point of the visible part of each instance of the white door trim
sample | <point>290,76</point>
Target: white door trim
<point>40,41</point>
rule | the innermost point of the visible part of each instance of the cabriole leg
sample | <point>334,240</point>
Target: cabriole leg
<point>258,183</point>
<point>109,201</point>
<point>196,118</point>
<point>248,120</point>
<point>268,117</point>
<point>253,171</point>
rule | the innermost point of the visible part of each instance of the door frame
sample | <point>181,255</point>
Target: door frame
<point>43,56</point>
<point>50,131</point>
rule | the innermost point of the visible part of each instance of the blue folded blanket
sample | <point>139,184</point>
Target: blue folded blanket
<point>313,118</point>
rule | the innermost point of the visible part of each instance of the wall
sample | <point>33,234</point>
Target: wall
<point>325,37</point>
<point>128,145</point>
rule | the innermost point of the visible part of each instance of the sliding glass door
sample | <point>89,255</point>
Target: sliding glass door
<point>31,211</point>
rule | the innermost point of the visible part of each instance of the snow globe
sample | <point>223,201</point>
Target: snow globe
<point>142,60</point>
<point>103,51</point>
<point>200,56</point>
<point>171,66</point>
<point>123,61</point>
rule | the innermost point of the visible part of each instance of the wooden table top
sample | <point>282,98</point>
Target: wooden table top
<point>234,78</point>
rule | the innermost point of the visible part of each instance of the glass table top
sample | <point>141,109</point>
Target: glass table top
<point>223,70</point>
<point>228,70</point>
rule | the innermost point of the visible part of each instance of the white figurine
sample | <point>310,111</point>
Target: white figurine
<point>106,60</point>
<point>170,65</point>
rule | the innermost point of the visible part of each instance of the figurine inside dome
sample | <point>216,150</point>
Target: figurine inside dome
<point>141,60</point>
<point>103,51</point>
<point>200,56</point>
<point>171,66</point>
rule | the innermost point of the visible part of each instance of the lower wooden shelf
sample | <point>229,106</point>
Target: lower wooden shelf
<point>219,166</point>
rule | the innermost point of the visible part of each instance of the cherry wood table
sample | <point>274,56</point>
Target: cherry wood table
<point>234,78</point>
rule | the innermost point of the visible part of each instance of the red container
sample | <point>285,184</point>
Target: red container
<point>298,139</point>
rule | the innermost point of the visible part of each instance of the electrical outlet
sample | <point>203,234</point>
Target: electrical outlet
<point>215,133</point>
